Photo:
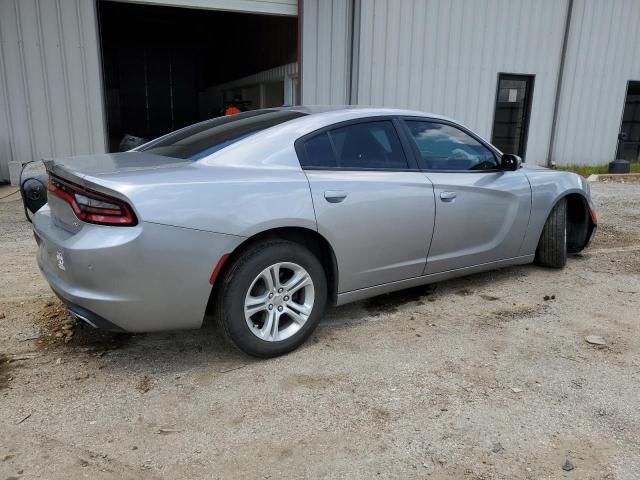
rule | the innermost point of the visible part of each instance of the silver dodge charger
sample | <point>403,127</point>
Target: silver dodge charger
<point>263,218</point>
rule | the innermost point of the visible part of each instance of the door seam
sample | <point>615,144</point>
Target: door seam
<point>433,227</point>
<point>526,231</point>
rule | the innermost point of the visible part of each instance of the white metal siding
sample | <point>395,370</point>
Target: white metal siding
<point>444,56</point>
<point>273,7</point>
<point>326,44</point>
<point>50,80</point>
<point>603,54</point>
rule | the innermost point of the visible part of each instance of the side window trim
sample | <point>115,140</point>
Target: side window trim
<point>407,144</point>
<point>333,146</point>
<point>407,150</point>
<point>414,147</point>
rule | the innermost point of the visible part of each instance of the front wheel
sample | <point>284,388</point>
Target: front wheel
<point>552,247</point>
<point>272,298</point>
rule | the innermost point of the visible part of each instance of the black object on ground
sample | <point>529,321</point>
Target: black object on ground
<point>619,165</point>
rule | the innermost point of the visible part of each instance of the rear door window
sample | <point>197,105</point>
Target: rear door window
<point>367,145</point>
<point>319,153</point>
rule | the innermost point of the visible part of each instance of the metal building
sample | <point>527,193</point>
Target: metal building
<point>553,80</point>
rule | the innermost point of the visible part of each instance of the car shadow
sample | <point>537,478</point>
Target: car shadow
<point>181,351</point>
<point>394,302</point>
<point>175,351</point>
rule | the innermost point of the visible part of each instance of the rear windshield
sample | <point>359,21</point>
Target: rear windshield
<point>207,137</point>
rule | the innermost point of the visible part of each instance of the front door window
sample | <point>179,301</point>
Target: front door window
<point>444,147</point>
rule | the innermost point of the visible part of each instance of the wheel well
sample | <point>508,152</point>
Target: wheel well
<point>579,224</point>
<point>310,239</point>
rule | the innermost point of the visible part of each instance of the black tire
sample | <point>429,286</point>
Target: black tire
<point>552,247</point>
<point>230,302</point>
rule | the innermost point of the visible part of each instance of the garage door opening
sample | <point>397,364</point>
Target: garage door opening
<point>168,67</point>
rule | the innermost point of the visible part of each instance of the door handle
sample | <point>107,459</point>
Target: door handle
<point>335,196</point>
<point>448,196</point>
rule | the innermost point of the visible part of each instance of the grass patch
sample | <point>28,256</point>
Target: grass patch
<point>585,170</point>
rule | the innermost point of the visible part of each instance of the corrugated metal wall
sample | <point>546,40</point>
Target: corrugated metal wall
<point>50,80</point>
<point>326,47</point>
<point>444,56</point>
<point>603,54</point>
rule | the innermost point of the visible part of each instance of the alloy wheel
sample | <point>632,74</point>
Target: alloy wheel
<point>279,301</point>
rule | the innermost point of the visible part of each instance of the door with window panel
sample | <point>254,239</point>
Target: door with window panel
<point>371,203</point>
<point>513,109</point>
<point>481,211</point>
<point>629,143</point>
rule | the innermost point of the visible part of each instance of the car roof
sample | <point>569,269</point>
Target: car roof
<point>313,118</point>
<point>363,110</point>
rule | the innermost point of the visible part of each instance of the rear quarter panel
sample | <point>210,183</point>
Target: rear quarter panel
<point>222,196</point>
<point>547,187</point>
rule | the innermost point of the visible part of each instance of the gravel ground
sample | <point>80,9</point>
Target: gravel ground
<point>476,378</point>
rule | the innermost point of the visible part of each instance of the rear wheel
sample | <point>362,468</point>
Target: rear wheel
<point>552,247</point>
<point>272,298</point>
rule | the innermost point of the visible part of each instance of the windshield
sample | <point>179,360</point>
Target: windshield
<point>207,137</point>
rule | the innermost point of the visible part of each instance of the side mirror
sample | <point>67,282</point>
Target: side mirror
<point>510,162</point>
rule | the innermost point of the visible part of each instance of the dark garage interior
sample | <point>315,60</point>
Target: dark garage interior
<point>160,64</point>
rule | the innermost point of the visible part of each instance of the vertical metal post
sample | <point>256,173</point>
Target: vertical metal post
<point>556,106</point>
<point>354,53</point>
<point>298,95</point>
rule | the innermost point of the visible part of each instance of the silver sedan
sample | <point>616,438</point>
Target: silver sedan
<point>264,218</point>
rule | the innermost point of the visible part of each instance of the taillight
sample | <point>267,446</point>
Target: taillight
<point>92,207</point>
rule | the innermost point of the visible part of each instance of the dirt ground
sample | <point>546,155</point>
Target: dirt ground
<point>476,378</point>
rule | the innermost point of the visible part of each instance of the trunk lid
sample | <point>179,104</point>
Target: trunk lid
<point>110,163</point>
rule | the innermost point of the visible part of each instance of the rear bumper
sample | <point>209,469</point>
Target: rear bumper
<point>96,321</point>
<point>137,279</point>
